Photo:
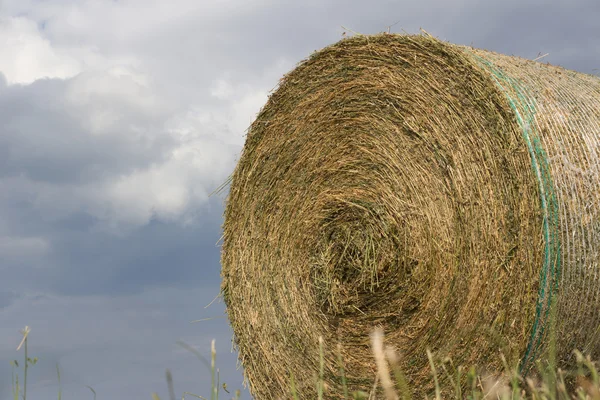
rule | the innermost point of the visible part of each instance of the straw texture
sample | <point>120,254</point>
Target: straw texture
<point>446,194</point>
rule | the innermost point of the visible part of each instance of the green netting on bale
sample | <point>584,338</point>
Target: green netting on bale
<point>447,194</point>
<point>524,107</point>
<point>568,175</point>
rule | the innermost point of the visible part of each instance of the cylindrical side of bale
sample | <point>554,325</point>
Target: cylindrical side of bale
<point>447,194</point>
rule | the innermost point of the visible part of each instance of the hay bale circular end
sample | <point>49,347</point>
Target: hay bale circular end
<point>444,193</point>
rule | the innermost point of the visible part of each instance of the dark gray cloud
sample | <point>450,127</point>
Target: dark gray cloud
<point>7,297</point>
<point>566,30</point>
<point>47,134</point>
<point>119,118</point>
<point>159,254</point>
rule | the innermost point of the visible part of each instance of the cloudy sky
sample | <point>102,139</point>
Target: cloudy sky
<point>118,118</point>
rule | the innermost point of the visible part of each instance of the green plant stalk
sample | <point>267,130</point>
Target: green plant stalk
<point>401,380</point>
<point>191,394</point>
<point>15,378</point>
<point>170,384</point>
<point>472,378</point>
<point>218,385</point>
<point>402,383</point>
<point>321,368</point>
<point>293,388</point>
<point>438,394</point>
<point>342,372</point>
<point>93,391</point>
<point>562,387</point>
<point>450,376</point>
<point>195,352</point>
<point>59,386</point>
<point>25,373</point>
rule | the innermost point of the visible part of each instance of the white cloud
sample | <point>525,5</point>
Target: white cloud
<point>144,159</point>
<point>160,191</point>
<point>222,90</point>
<point>113,142</point>
<point>243,111</point>
<point>241,101</point>
<point>106,99</point>
<point>25,55</point>
<point>171,190</point>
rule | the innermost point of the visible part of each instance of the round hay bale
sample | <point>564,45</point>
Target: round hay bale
<point>447,194</point>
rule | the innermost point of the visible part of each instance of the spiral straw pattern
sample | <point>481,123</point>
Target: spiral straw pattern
<point>447,194</point>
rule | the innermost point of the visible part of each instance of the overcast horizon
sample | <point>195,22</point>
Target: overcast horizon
<point>121,117</point>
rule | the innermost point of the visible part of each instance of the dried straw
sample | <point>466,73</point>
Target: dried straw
<point>444,193</point>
